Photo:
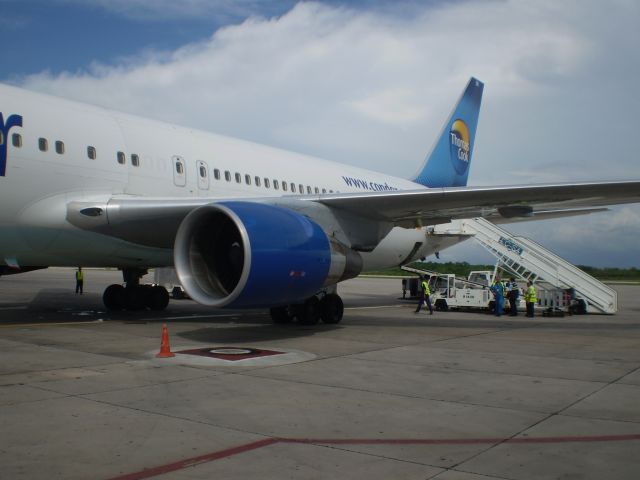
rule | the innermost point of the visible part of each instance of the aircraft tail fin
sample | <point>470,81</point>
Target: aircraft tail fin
<point>447,165</point>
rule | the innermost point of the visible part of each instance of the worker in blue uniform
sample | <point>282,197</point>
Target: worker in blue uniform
<point>498,294</point>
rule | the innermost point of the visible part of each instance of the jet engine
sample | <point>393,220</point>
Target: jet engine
<point>247,254</point>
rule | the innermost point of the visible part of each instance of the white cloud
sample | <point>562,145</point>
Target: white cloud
<point>171,9</point>
<point>396,106</point>
<point>373,90</point>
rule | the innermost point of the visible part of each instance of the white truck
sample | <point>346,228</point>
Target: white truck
<point>449,291</point>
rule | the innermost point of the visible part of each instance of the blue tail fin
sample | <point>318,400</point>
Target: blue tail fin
<point>448,163</point>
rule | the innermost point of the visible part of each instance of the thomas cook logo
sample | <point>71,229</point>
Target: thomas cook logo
<point>459,146</point>
<point>12,121</point>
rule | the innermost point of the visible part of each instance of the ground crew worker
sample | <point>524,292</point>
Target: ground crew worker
<point>531,297</point>
<point>79,280</point>
<point>514,295</point>
<point>424,296</point>
<point>498,294</point>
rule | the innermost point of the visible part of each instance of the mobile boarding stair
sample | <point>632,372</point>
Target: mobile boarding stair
<point>529,260</point>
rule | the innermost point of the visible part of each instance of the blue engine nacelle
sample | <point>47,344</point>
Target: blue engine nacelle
<point>246,254</point>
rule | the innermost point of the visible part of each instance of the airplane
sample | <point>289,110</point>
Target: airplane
<point>244,225</point>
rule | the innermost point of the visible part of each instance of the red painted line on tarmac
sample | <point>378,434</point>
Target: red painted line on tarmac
<point>592,438</point>
<point>458,441</point>
<point>230,452</point>
<point>190,462</point>
<point>392,441</point>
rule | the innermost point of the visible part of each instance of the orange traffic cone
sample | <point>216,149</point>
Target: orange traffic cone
<point>165,349</point>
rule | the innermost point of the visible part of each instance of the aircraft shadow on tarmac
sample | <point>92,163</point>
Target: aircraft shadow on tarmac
<point>62,304</point>
<point>253,333</point>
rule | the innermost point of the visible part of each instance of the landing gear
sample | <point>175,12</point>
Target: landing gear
<point>134,296</point>
<point>309,312</point>
<point>114,297</point>
<point>329,309</point>
<point>280,315</point>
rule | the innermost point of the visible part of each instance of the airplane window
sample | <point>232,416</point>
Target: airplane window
<point>135,160</point>
<point>216,174</point>
<point>275,185</point>
<point>284,186</point>
<point>238,178</point>
<point>266,183</point>
<point>91,153</point>
<point>17,140</point>
<point>43,145</point>
<point>330,191</point>
<point>247,179</point>
<point>324,190</point>
<point>317,190</point>
<point>203,171</point>
<point>179,168</point>
<point>301,189</point>
<point>121,158</point>
<point>257,179</point>
<point>59,147</point>
<point>293,187</point>
<point>308,189</point>
<point>227,175</point>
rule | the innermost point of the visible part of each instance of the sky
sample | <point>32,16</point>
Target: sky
<point>368,83</point>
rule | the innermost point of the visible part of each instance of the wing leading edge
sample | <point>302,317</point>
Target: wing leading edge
<point>131,218</point>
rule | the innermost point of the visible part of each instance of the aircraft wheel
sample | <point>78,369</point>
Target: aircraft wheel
<point>280,315</point>
<point>309,312</point>
<point>135,297</point>
<point>331,308</point>
<point>114,297</point>
<point>157,298</point>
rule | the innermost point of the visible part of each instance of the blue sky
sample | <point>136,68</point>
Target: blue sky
<point>60,35</point>
<point>367,83</point>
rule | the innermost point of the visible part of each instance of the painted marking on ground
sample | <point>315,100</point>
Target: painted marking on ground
<point>190,462</point>
<point>235,356</point>
<point>232,354</point>
<point>374,307</point>
<point>187,317</point>
<point>230,452</point>
<point>52,324</point>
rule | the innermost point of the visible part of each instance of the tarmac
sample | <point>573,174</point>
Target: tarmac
<point>386,394</point>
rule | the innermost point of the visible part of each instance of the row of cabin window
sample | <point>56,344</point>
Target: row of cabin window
<point>43,146</point>
<point>258,181</point>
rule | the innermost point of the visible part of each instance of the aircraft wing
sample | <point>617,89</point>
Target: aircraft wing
<point>154,221</point>
<point>440,205</point>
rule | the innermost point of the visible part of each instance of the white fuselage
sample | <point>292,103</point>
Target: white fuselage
<point>172,162</point>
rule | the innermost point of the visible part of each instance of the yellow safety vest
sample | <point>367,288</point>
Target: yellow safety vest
<point>531,296</point>
<point>79,275</point>
<point>425,287</point>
